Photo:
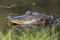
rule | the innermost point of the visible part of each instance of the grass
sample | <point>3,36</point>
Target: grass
<point>44,34</point>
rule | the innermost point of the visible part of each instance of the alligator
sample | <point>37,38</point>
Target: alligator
<point>32,19</point>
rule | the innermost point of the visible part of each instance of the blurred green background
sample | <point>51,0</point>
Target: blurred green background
<point>19,7</point>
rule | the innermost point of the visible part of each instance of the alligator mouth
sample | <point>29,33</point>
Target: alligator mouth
<point>23,21</point>
<point>14,24</point>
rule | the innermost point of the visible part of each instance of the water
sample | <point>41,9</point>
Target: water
<point>4,12</point>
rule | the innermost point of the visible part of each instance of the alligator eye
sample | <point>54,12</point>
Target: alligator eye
<point>41,19</point>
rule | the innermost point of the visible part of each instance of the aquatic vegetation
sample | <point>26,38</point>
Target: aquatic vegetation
<point>44,34</point>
